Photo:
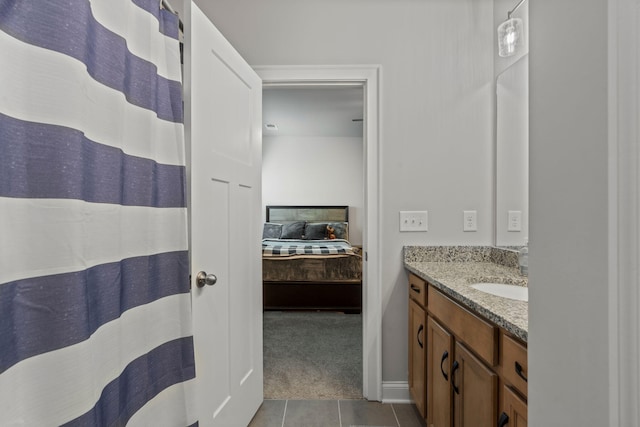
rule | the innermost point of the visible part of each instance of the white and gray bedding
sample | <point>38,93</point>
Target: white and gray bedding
<point>305,248</point>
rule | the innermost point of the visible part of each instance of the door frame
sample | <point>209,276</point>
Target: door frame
<point>369,76</point>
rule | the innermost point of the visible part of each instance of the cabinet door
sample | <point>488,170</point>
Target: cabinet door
<point>514,410</point>
<point>417,359</point>
<point>475,391</point>
<point>439,356</point>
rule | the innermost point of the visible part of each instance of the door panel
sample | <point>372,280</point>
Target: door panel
<point>475,391</point>
<point>231,119</point>
<point>514,407</point>
<point>216,261</point>
<point>242,334</point>
<point>223,109</point>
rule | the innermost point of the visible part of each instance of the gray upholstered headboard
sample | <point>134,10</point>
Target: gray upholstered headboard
<point>285,214</point>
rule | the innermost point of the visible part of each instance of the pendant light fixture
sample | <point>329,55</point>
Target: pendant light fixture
<point>510,34</point>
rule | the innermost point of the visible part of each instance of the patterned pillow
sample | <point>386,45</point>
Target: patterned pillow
<point>315,231</point>
<point>341,230</point>
<point>271,230</point>
<point>293,230</point>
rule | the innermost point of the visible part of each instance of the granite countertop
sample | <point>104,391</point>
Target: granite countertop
<point>452,269</point>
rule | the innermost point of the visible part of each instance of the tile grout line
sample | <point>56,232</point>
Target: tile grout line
<point>395,415</point>
<point>284,414</point>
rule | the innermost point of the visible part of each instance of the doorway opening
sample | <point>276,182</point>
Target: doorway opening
<point>313,156</point>
<point>367,79</point>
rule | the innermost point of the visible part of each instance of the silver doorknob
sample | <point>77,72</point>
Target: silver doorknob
<point>203,278</point>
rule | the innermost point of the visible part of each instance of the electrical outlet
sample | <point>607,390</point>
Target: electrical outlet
<point>514,221</point>
<point>414,220</point>
<point>470,221</point>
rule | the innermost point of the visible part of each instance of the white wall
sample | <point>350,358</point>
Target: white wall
<point>512,152</point>
<point>437,111</point>
<point>568,257</point>
<point>315,171</point>
<point>511,162</point>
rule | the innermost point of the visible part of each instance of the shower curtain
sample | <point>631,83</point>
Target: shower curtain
<point>95,317</point>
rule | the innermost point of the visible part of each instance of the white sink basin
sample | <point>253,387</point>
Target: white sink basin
<point>520,293</point>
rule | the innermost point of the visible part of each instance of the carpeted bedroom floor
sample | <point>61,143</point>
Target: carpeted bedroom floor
<point>312,355</point>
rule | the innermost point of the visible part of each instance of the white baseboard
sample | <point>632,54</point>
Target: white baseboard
<point>395,392</point>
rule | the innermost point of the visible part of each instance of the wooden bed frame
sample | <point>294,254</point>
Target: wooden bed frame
<point>281,291</point>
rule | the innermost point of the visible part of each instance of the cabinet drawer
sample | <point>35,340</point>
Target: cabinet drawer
<point>479,335</point>
<point>514,364</point>
<point>418,290</point>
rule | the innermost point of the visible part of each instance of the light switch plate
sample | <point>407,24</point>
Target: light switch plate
<point>470,221</point>
<point>414,220</point>
<point>514,221</point>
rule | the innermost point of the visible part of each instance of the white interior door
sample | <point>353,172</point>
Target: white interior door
<point>223,114</point>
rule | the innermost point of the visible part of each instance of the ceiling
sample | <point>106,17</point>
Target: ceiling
<point>321,111</point>
<point>318,111</point>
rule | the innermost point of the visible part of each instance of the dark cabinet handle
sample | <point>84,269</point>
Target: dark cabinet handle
<point>415,288</point>
<point>445,355</point>
<point>503,420</point>
<point>455,366</point>
<point>418,336</point>
<point>519,372</point>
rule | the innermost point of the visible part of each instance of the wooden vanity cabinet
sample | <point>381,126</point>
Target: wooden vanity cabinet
<point>475,391</point>
<point>514,375</point>
<point>480,335</point>
<point>514,364</point>
<point>417,348</point>
<point>418,290</point>
<point>475,374</point>
<point>472,395</point>
<point>514,409</point>
<point>417,360</point>
<point>439,391</point>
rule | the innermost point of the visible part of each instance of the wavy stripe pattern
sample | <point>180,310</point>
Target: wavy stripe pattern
<point>95,306</point>
<point>47,87</point>
<point>143,40</point>
<point>168,22</point>
<point>55,162</point>
<point>59,386</point>
<point>21,333</point>
<point>72,30</point>
<point>162,367</point>
<point>166,410</point>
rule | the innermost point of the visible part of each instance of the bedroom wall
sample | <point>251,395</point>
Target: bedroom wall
<point>315,171</point>
<point>437,121</point>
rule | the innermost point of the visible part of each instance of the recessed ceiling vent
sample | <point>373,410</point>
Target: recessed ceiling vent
<point>270,126</point>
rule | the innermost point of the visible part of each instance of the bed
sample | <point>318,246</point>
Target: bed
<point>308,266</point>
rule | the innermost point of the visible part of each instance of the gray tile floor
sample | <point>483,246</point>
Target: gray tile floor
<point>335,413</point>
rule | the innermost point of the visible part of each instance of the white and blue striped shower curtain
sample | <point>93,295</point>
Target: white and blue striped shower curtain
<point>95,317</point>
